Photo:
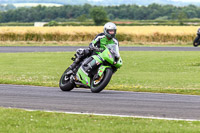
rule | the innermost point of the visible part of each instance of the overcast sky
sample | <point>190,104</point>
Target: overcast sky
<point>172,0</point>
<point>188,0</point>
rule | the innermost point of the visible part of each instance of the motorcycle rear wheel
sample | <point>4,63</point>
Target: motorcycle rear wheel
<point>96,88</point>
<point>196,41</point>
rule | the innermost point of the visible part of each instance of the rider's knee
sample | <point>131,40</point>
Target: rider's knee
<point>82,53</point>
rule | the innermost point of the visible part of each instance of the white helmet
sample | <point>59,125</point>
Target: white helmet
<point>110,26</point>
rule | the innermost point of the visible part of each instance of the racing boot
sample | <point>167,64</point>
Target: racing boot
<point>79,56</point>
<point>71,69</point>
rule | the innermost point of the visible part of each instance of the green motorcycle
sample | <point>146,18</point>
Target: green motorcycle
<point>104,64</point>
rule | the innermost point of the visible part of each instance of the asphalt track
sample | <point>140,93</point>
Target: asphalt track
<point>107,102</point>
<point>11,49</point>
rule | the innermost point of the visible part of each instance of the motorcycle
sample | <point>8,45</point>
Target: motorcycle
<point>104,65</point>
<point>196,41</point>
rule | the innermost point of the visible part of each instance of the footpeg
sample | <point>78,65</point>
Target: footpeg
<point>71,79</point>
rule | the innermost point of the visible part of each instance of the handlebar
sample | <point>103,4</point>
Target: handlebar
<point>96,49</point>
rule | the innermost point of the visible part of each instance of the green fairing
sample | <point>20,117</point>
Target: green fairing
<point>97,58</point>
<point>83,78</point>
<point>106,55</point>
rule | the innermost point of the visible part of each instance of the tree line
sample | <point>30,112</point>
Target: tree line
<point>7,7</point>
<point>80,12</point>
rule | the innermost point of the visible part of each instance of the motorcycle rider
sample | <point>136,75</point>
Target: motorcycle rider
<point>196,41</point>
<point>105,38</point>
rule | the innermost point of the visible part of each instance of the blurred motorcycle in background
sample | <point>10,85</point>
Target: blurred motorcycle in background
<point>196,41</point>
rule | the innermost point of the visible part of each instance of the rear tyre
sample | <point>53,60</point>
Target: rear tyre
<point>97,86</point>
<point>196,41</point>
<point>65,83</point>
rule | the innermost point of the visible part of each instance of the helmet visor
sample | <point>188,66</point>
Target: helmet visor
<point>111,32</point>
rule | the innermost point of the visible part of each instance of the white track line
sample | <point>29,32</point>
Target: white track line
<point>115,115</point>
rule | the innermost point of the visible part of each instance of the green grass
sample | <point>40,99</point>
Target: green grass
<point>19,121</point>
<point>86,43</point>
<point>50,43</point>
<point>165,72</point>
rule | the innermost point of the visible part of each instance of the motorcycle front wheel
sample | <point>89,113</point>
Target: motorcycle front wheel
<point>196,41</point>
<point>99,84</point>
<point>65,84</point>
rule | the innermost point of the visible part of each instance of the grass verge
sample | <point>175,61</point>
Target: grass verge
<point>165,72</point>
<point>86,43</point>
<point>20,121</point>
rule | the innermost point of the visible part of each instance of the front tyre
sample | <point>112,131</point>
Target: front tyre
<point>196,41</point>
<point>65,84</point>
<point>101,83</point>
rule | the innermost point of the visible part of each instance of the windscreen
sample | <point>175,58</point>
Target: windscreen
<point>114,49</point>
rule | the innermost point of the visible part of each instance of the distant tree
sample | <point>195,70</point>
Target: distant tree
<point>82,18</point>
<point>0,16</point>
<point>181,17</point>
<point>9,7</point>
<point>110,16</point>
<point>52,23</point>
<point>173,16</point>
<point>98,15</point>
<point>162,18</point>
